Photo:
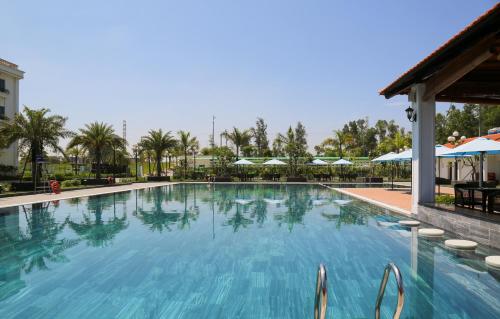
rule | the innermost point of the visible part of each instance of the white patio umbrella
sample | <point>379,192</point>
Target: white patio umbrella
<point>243,162</point>
<point>478,146</point>
<point>391,158</point>
<point>384,158</point>
<point>342,162</point>
<point>318,162</point>
<point>274,162</point>
<point>403,156</point>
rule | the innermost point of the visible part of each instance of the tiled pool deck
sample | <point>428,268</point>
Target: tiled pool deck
<point>46,197</point>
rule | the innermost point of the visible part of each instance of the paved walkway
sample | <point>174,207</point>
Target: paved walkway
<point>37,198</point>
<point>398,200</point>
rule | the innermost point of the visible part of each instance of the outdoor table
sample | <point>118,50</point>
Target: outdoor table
<point>485,191</point>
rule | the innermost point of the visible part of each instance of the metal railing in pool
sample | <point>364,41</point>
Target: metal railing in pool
<point>321,299</point>
<point>401,293</point>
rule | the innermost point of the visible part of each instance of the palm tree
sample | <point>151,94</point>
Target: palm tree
<point>35,130</point>
<point>77,152</point>
<point>97,138</point>
<point>158,142</point>
<point>239,139</point>
<point>187,143</point>
<point>341,139</point>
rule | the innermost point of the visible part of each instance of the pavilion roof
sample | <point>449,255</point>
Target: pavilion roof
<point>477,47</point>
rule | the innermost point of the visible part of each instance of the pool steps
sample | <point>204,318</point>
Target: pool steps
<point>321,297</point>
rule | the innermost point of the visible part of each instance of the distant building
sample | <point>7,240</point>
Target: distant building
<point>9,104</point>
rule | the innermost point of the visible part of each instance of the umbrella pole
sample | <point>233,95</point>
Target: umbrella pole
<point>481,177</point>
<point>439,176</point>
<point>392,175</point>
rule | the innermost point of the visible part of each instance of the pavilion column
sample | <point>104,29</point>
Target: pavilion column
<point>423,164</point>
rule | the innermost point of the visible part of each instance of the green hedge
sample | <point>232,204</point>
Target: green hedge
<point>71,183</point>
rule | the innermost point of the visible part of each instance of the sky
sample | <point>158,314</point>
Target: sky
<point>175,64</point>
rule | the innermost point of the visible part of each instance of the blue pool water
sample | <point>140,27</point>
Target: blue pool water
<point>227,251</point>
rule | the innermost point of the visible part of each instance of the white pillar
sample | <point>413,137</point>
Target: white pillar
<point>423,164</point>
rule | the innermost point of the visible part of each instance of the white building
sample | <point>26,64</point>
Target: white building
<point>464,171</point>
<point>9,104</point>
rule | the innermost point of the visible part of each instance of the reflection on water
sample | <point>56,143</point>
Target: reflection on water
<point>246,229</point>
<point>92,228</point>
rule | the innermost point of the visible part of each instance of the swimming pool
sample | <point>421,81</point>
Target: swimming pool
<point>227,251</point>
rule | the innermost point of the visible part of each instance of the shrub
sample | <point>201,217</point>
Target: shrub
<point>7,170</point>
<point>445,199</point>
<point>71,183</point>
<point>4,187</point>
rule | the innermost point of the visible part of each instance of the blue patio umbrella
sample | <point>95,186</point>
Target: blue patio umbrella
<point>479,146</point>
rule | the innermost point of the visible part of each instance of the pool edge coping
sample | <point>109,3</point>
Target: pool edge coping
<point>392,208</point>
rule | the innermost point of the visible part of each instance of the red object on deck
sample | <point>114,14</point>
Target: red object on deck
<point>55,187</point>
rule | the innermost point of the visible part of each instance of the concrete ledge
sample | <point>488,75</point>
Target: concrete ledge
<point>481,231</point>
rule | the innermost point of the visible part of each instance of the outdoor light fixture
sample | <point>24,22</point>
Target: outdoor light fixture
<point>411,114</point>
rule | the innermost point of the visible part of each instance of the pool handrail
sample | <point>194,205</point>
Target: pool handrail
<point>321,293</point>
<point>401,293</point>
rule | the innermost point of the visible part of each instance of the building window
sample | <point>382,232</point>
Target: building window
<point>2,112</point>
<point>2,85</point>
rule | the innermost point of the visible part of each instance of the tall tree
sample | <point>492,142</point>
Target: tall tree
<point>96,138</point>
<point>158,142</point>
<point>260,136</point>
<point>490,117</point>
<point>35,130</point>
<point>340,140</point>
<point>381,127</point>
<point>238,138</point>
<point>295,146</point>
<point>278,146</point>
<point>301,138</point>
<point>186,143</point>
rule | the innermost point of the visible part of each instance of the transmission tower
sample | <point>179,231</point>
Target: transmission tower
<point>124,130</point>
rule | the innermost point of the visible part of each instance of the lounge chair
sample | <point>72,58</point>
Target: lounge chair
<point>494,202</point>
<point>464,196</point>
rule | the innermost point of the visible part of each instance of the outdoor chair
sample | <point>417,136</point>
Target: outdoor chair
<point>463,196</point>
<point>494,202</point>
